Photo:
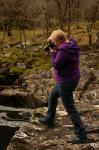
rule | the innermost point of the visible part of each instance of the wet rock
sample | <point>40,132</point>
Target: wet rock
<point>39,137</point>
<point>11,119</point>
<point>18,116</point>
<point>21,65</point>
<point>39,85</point>
<point>33,135</point>
<point>62,113</point>
<point>20,98</point>
<point>97,41</point>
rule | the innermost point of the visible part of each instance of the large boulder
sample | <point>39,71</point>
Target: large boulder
<point>20,98</point>
<point>36,136</point>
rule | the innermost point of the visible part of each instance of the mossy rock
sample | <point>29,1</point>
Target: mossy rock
<point>16,70</point>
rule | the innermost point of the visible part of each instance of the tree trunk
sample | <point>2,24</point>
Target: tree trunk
<point>4,36</point>
<point>25,44</point>
<point>77,21</point>
<point>9,27</point>
<point>69,17</point>
<point>62,24</point>
<point>21,38</point>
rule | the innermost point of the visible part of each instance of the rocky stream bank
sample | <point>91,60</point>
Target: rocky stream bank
<point>22,104</point>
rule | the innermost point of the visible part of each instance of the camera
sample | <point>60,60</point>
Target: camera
<point>49,45</point>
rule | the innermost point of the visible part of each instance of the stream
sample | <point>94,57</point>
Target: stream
<point>11,119</point>
<point>6,134</point>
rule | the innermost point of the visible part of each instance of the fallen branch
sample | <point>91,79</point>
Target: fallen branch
<point>91,78</point>
<point>13,44</point>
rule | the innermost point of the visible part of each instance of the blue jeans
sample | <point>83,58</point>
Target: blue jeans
<point>65,91</point>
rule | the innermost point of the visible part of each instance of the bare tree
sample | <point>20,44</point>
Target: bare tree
<point>70,4</point>
<point>90,19</point>
<point>77,12</point>
<point>47,17</point>
<point>62,6</point>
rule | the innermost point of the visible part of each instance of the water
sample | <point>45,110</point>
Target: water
<point>11,119</point>
<point>6,134</point>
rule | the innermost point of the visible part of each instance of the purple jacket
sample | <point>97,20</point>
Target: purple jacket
<point>66,62</point>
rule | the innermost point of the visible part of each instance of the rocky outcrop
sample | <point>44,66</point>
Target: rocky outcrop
<point>11,119</point>
<point>6,133</point>
<point>20,98</point>
<point>34,136</point>
<point>32,90</point>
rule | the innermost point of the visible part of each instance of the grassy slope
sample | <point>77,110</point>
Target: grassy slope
<point>36,59</point>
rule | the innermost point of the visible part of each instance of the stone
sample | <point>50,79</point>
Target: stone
<point>21,65</point>
<point>20,98</point>
<point>62,113</point>
<point>97,41</point>
<point>36,136</point>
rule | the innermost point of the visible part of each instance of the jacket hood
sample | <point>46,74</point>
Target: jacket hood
<point>70,47</point>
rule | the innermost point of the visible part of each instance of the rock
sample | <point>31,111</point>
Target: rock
<point>96,107</point>
<point>97,41</point>
<point>33,135</point>
<point>62,113</point>
<point>16,98</point>
<point>6,133</point>
<point>22,135</point>
<point>21,65</point>
<point>38,85</point>
<point>36,136</point>
<point>95,145</point>
<point>20,98</point>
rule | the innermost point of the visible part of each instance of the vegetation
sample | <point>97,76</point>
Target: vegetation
<point>26,24</point>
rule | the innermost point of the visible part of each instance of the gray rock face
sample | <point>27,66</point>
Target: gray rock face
<point>16,98</point>
<point>97,41</point>
<point>11,119</point>
<point>6,133</point>
<point>34,136</point>
<point>39,84</point>
<point>20,98</point>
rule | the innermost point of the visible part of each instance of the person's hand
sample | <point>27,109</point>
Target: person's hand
<point>52,50</point>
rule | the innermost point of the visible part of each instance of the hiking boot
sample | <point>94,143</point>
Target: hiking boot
<point>46,121</point>
<point>79,138</point>
<point>79,141</point>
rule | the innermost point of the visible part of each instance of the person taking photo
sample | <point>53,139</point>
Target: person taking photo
<point>65,60</point>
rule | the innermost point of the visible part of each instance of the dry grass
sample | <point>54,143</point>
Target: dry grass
<point>38,35</point>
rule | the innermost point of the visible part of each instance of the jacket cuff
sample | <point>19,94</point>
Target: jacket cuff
<point>53,54</point>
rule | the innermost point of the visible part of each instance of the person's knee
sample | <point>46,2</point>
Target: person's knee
<point>69,107</point>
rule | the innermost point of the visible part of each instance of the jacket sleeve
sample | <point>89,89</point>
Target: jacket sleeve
<point>59,59</point>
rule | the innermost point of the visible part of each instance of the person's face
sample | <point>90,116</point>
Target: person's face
<point>58,43</point>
